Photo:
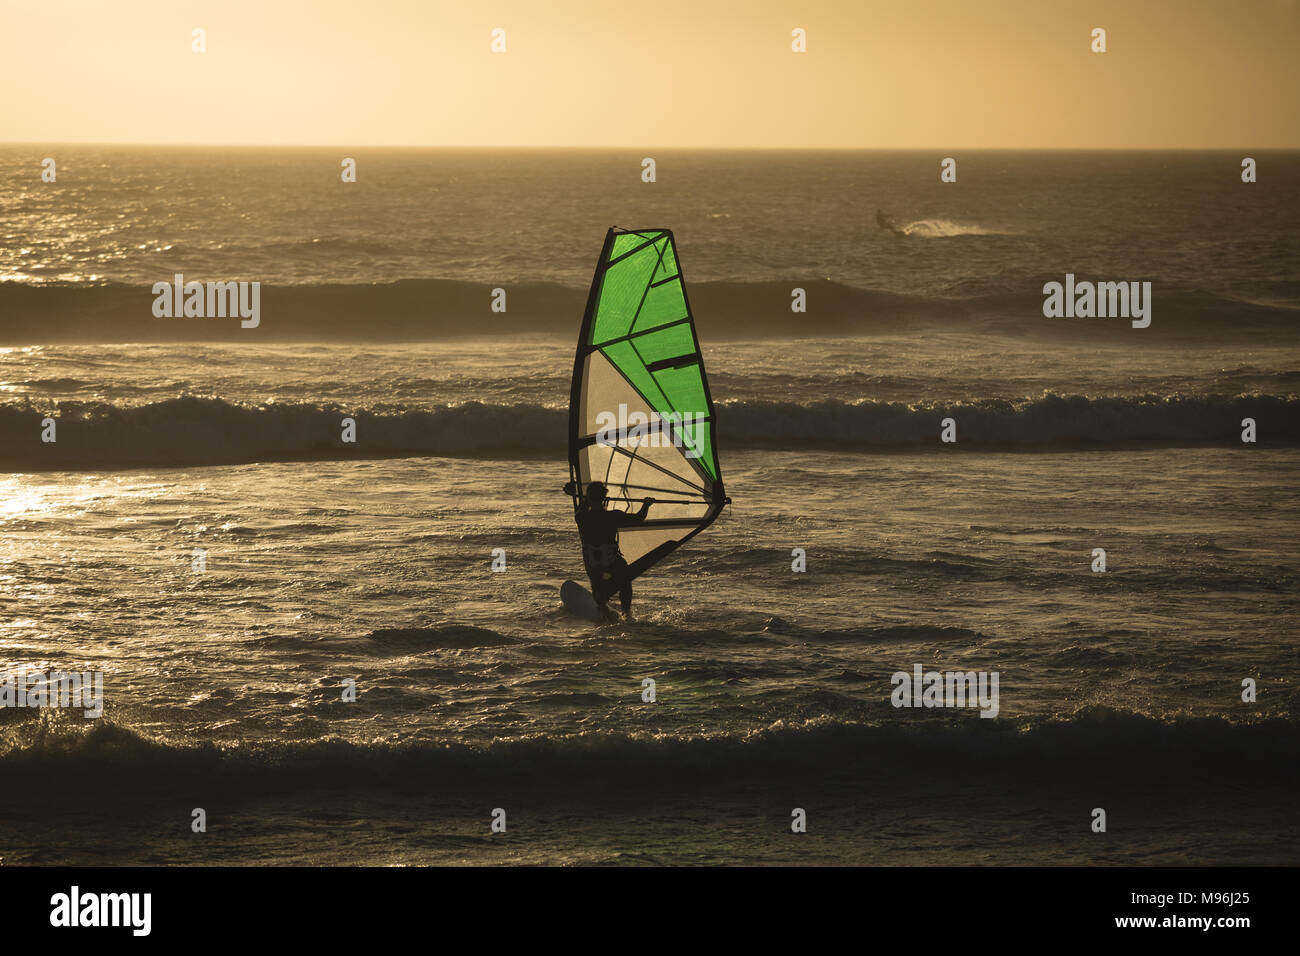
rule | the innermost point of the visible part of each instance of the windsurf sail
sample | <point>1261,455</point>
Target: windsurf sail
<point>640,414</point>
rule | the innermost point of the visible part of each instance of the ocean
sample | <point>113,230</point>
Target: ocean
<point>200,534</point>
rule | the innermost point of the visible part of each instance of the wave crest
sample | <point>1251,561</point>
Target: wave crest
<point>432,309</point>
<point>1096,742</point>
<point>188,431</point>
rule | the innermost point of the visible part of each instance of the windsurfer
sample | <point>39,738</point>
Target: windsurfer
<point>598,527</point>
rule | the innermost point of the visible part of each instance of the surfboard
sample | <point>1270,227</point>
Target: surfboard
<point>579,603</point>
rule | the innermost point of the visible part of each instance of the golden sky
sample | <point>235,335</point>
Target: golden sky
<point>941,74</point>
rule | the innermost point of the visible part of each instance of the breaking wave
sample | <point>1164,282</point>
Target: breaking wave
<point>946,228</point>
<point>431,309</point>
<point>112,759</point>
<point>189,431</point>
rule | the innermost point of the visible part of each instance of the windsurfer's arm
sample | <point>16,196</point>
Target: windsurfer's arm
<point>622,519</point>
<point>571,489</point>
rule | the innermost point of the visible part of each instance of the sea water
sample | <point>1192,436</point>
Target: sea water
<point>200,535</point>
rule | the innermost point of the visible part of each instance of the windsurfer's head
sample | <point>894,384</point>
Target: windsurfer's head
<point>596,494</point>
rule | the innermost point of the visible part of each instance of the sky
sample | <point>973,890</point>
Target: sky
<point>907,74</point>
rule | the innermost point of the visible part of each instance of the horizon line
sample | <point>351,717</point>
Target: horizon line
<point>612,148</point>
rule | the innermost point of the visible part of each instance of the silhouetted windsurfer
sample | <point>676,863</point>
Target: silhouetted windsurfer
<point>884,222</point>
<point>598,526</point>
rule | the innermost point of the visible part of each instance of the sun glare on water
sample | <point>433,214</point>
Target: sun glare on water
<point>18,500</point>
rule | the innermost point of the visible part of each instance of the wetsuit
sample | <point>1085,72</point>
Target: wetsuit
<point>606,566</point>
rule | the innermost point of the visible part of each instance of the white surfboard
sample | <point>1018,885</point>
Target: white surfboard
<point>578,602</point>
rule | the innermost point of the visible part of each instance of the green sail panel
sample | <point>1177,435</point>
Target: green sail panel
<point>641,418</point>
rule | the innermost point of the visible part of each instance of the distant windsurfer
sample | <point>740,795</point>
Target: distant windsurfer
<point>887,222</point>
<point>598,527</point>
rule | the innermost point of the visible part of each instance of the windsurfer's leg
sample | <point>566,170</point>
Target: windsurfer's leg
<point>623,579</point>
<point>601,586</point>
